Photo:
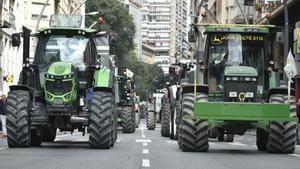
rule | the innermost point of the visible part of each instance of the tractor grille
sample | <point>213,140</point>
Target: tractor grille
<point>240,87</point>
<point>58,87</point>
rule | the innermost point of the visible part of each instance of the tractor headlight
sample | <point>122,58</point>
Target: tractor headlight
<point>52,76</point>
<point>254,79</point>
<point>247,79</point>
<point>228,78</point>
<point>65,76</point>
<point>235,78</point>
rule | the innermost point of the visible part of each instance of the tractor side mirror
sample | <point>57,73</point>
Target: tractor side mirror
<point>199,55</point>
<point>280,37</point>
<point>192,35</point>
<point>16,39</point>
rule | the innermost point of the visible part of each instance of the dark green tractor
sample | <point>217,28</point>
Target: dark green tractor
<point>237,89</point>
<point>68,86</point>
<point>126,114</point>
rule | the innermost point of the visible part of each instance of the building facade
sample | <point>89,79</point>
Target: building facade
<point>156,29</point>
<point>179,28</point>
<point>14,14</point>
<point>135,10</point>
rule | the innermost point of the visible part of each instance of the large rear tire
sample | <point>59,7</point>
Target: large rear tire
<point>165,119</point>
<point>101,116</point>
<point>193,132</point>
<point>128,120</point>
<point>151,120</point>
<point>298,133</point>
<point>282,134</point>
<point>18,120</point>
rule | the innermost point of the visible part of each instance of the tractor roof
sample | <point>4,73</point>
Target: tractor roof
<point>237,28</point>
<point>65,29</point>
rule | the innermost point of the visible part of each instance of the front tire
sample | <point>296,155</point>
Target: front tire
<point>18,125</point>
<point>165,119</point>
<point>128,120</point>
<point>101,116</point>
<point>282,134</point>
<point>151,120</point>
<point>193,132</point>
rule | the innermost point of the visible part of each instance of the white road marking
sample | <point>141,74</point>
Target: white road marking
<point>171,141</point>
<point>142,131</point>
<point>3,148</point>
<point>295,155</point>
<point>238,144</point>
<point>146,163</point>
<point>118,140</point>
<point>143,140</point>
<point>145,151</point>
<point>211,143</point>
<point>298,146</point>
<point>145,144</point>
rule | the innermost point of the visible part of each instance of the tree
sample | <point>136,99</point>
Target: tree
<point>118,20</point>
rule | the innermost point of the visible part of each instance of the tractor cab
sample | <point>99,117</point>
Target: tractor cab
<point>235,59</point>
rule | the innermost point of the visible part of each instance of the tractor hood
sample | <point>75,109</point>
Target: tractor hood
<point>60,68</point>
<point>240,71</point>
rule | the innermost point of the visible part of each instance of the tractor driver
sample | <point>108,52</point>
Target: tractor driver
<point>218,66</point>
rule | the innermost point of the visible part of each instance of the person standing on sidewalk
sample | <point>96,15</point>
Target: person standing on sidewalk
<point>3,116</point>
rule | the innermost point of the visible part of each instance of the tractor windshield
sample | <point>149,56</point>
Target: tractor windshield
<point>237,50</point>
<point>64,49</point>
<point>234,49</point>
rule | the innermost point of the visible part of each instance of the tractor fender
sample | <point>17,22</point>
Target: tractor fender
<point>280,90</point>
<point>102,89</point>
<point>103,78</point>
<point>30,90</point>
<point>200,88</point>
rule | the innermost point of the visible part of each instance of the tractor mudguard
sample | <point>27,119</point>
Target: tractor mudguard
<point>103,78</point>
<point>280,90</point>
<point>200,88</point>
<point>23,87</point>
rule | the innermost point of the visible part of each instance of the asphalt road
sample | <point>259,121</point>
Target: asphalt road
<point>143,149</point>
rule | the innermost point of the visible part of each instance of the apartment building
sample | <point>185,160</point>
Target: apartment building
<point>179,28</point>
<point>224,12</point>
<point>13,15</point>
<point>156,31</point>
<point>135,10</point>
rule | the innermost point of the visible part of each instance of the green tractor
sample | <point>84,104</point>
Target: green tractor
<point>237,89</point>
<point>126,114</point>
<point>68,86</point>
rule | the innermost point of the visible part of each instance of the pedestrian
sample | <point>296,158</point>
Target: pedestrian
<point>3,116</point>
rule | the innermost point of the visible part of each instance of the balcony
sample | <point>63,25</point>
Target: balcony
<point>4,18</point>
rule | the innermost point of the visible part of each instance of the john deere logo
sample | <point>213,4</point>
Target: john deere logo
<point>216,39</point>
<point>9,78</point>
